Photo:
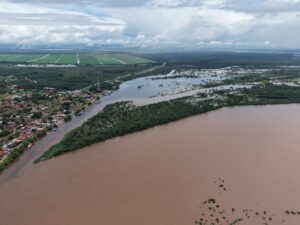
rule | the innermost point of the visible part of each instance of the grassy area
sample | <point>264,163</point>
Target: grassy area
<point>68,59</point>
<point>123,118</point>
<point>51,59</point>
<point>9,57</point>
<point>71,58</point>
<point>107,59</point>
<point>89,59</point>
<point>20,57</point>
<point>130,59</point>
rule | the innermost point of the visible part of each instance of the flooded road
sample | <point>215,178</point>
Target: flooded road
<point>162,175</point>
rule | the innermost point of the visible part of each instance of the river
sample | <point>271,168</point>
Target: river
<point>141,91</point>
<point>161,176</point>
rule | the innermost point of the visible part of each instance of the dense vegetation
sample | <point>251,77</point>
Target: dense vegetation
<point>119,119</point>
<point>224,59</point>
<point>275,94</point>
<point>123,118</point>
<point>72,78</point>
<point>16,152</point>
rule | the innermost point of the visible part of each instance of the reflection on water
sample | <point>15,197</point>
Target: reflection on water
<point>172,83</point>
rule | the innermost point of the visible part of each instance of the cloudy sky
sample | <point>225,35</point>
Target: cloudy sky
<point>188,24</point>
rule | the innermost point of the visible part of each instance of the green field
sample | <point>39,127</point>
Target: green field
<point>81,59</point>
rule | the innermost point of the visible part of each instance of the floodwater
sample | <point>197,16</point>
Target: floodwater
<point>161,85</point>
<point>128,91</point>
<point>161,176</point>
<point>141,91</point>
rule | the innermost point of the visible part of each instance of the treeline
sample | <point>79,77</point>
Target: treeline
<point>279,94</point>
<point>210,60</point>
<point>123,118</point>
<point>72,78</point>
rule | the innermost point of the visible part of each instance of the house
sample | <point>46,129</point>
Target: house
<point>2,153</point>
<point>13,144</point>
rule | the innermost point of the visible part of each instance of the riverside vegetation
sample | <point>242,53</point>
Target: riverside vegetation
<point>257,71</point>
<point>123,118</point>
<point>16,152</point>
<point>43,96</point>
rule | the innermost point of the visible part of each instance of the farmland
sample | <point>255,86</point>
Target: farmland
<point>74,59</point>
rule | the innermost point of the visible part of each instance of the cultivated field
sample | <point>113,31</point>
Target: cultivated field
<point>79,59</point>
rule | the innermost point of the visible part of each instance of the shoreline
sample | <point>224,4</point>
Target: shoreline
<point>171,122</point>
<point>175,164</point>
<point>252,96</point>
<point>17,152</point>
<point>165,112</point>
<point>51,138</point>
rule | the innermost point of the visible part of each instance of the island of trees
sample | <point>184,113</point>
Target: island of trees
<point>122,118</point>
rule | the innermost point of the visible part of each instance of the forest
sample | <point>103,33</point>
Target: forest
<point>68,78</point>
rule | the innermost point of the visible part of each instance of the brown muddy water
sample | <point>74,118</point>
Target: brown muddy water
<point>245,158</point>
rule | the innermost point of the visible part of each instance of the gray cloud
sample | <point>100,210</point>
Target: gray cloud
<point>106,3</point>
<point>263,6</point>
<point>151,23</point>
<point>245,5</point>
<point>52,19</point>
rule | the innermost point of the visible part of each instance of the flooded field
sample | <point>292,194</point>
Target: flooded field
<point>244,160</point>
<point>175,83</point>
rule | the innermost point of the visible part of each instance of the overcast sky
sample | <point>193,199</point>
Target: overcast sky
<point>187,24</point>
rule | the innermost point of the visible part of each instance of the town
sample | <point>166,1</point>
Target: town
<point>27,115</point>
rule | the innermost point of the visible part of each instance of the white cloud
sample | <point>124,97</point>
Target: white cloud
<point>151,23</point>
<point>38,34</point>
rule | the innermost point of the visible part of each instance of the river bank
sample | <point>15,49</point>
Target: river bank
<point>194,86</point>
<point>29,138</point>
<point>163,175</point>
<point>122,118</point>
